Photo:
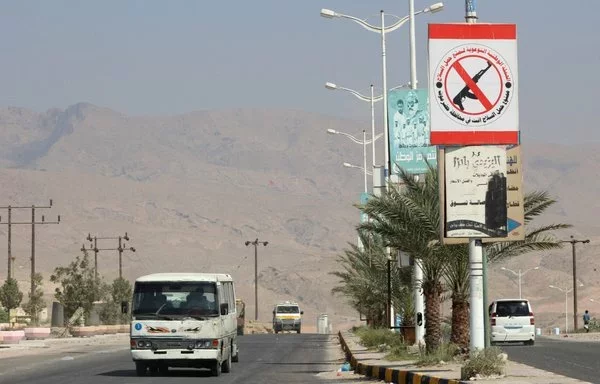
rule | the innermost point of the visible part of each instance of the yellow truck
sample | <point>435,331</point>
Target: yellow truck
<point>287,316</point>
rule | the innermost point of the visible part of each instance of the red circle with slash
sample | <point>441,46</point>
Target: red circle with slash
<point>476,96</point>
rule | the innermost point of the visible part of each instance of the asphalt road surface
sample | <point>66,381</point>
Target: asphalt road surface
<point>576,359</point>
<point>265,358</point>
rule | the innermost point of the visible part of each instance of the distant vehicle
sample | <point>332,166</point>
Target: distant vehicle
<point>512,320</point>
<point>183,320</point>
<point>287,316</point>
<point>240,308</point>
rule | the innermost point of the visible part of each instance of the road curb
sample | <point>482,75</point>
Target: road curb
<point>391,375</point>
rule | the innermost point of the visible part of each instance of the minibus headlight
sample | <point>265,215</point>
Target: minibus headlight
<point>144,344</point>
<point>203,344</point>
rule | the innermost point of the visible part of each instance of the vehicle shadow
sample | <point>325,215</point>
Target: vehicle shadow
<point>173,372</point>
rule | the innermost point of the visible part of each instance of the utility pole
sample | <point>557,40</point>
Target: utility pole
<point>573,241</point>
<point>33,223</point>
<point>120,248</point>
<point>256,243</point>
<point>95,249</point>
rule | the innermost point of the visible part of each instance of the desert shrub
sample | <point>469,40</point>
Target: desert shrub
<point>487,362</point>
<point>445,353</point>
<point>377,337</point>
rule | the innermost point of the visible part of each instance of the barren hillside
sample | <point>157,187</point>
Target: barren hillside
<point>191,189</point>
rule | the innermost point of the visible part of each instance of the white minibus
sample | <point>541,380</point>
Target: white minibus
<point>183,320</point>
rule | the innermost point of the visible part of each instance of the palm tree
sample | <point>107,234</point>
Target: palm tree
<point>417,206</point>
<point>407,219</point>
<point>536,238</point>
<point>457,272</point>
<point>363,280</point>
<point>457,281</point>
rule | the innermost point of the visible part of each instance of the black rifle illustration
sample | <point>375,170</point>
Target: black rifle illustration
<point>466,91</point>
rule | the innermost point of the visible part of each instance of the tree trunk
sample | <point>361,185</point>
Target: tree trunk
<point>460,322</point>
<point>433,321</point>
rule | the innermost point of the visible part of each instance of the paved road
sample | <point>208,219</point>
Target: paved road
<point>287,358</point>
<point>576,359</point>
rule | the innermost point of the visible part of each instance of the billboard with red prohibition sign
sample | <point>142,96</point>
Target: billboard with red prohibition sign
<point>473,84</point>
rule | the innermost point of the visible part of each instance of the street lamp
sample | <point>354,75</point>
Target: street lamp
<point>364,143</point>
<point>382,30</point>
<point>372,100</point>
<point>566,292</point>
<point>349,165</point>
<point>573,241</point>
<point>256,243</point>
<point>519,275</point>
<point>365,172</point>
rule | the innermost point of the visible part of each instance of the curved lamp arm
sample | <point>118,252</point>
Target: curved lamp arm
<point>328,13</point>
<point>335,87</point>
<point>348,165</point>
<point>354,139</point>
<point>359,95</point>
<point>529,270</point>
<point>509,270</point>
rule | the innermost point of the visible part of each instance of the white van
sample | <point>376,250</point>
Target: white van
<point>183,320</point>
<point>512,320</point>
<point>287,316</point>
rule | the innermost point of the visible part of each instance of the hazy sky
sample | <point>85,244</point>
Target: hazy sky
<point>174,56</point>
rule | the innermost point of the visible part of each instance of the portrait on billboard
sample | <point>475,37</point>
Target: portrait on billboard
<point>408,118</point>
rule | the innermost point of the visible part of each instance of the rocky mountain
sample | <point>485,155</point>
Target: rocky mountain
<point>191,189</point>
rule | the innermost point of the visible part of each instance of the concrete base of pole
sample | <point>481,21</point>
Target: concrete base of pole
<point>419,304</point>
<point>476,320</point>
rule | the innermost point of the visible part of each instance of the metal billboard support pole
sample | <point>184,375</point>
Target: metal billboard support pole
<point>417,269</point>
<point>476,321</point>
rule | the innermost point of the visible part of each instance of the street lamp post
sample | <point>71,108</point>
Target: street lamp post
<point>364,142</point>
<point>372,100</point>
<point>382,30</point>
<point>566,292</point>
<point>573,241</point>
<point>256,243</point>
<point>520,275</point>
<point>364,170</point>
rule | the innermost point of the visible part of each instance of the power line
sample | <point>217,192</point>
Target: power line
<point>256,243</point>
<point>121,248</point>
<point>33,223</point>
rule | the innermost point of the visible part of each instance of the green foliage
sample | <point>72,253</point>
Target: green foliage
<point>444,353</point>
<point>10,295</point>
<point>78,286</point>
<point>376,338</point>
<point>536,238</point>
<point>407,218</point>
<point>399,352</point>
<point>120,290</point>
<point>363,280</point>
<point>3,316</point>
<point>487,362</point>
<point>110,313</point>
<point>36,302</point>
